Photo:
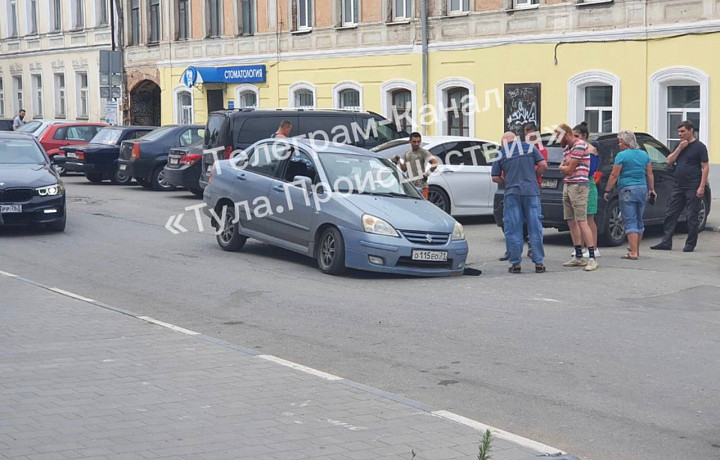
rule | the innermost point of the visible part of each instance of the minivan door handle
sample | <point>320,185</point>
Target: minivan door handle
<point>241,176</point>
<point>279,188</point>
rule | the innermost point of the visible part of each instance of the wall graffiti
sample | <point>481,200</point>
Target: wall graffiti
<point>522,105</point>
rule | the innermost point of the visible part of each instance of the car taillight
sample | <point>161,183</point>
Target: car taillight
<point>190,158</point>
<point>80,155</point>
<point>228,151</point>
<point>597,177</point>
<point>135,151</point>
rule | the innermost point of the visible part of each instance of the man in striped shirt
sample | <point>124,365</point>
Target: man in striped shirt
<point>575,169</point>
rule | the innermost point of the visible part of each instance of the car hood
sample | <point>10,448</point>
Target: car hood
<point>26,176</point>
<point>405,213</point>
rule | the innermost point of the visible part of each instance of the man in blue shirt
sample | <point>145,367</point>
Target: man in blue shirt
<point>515,168</point>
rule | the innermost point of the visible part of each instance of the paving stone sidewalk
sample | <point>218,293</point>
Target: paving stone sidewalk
<point>79,381</point>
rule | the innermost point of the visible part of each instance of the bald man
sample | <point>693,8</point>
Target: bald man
<point>517,167</point>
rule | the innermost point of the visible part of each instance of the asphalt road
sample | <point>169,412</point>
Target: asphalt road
<point>621,363</point>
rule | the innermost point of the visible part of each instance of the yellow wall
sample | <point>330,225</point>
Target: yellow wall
<point>633,62</point>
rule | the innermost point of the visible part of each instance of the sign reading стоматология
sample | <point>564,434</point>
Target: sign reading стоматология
<point>233,74</point>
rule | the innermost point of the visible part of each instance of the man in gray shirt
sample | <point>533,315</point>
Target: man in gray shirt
<point>414,163</point>
<point>18,121</point>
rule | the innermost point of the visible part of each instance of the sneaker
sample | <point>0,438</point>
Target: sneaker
<point>597,253</point>
<point>591,265</point>
<point>662,247</point>
<point>688,248</point>
<point>576,262</point>
<point>504,257</point>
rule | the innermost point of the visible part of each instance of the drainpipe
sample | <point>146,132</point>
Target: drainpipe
<point>424,20</point>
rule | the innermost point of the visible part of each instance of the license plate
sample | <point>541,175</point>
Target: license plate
<point>71,155</point>
<point>122,167</point>
<point>10,208</point>
<point>431,256</point>
<point>549,183</point>
<point>174,161</point>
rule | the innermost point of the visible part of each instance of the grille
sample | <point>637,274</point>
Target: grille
<point>408,262</point>
<point>426,238</point>
<point>16,195</point>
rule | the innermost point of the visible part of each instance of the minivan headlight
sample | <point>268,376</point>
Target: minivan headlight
<point>458,232</point>
<point>376,225</point>
<point>50,190</point>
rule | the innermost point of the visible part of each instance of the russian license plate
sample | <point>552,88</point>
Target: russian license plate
<point>71,155</point>
<point>10,208</point>
<point>549,183</point>
<point>430,256</point>
<point>174,161</point>
<point>122,167</point>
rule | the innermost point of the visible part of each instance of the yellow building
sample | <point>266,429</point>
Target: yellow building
<point>623,64</point>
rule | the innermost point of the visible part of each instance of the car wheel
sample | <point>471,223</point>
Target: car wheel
<point>228,234</point>
<point>95,178</point>
<point>331,252</point>
<point>58,226</point>
<point>120,177</point>
<point>614,232</point>
<point>703,214</point>
<point>198,192</point>
<point>439,198</point>
<point>158,180</point>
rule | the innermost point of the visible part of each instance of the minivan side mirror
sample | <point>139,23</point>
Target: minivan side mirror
<point>303,182</point>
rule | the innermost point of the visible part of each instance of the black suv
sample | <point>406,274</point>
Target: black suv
<point>231,130</point>
<point>611,228</point>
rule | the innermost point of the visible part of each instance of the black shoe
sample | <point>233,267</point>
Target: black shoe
<point>662,247</point>
<point>688,248</point>
<point>505,257</point>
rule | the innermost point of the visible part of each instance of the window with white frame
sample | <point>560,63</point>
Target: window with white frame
<point>82,95</point>
<point>38,95</point>
<point>246,97</point>
<point>458,6</point>
<point>2,98</point>
<point>683,103</point>
<point>154,22</point>
<point>599,108</point>
<point>349,12</point>
<point>33,17</point>
<point>56,12</point>
<point>349,99</point>
<point>18,93</point>
<point>304,14</point>
<point>184,105</point>
<point>102,13</point>
<point>182,12</point>
<point>13,19</point>
<point>593,97</point>
<point>78,14</point>
<point>247,14</point>
<point>456,112</point>
<point>60,110</point>
<point>302,95</point>
<point>213,10</point>
<point>135,21</point>
<point>402,9</point>
<point>402,112</point>
<point>525,3</point>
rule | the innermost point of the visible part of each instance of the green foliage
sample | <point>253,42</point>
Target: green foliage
<point>484,447</point>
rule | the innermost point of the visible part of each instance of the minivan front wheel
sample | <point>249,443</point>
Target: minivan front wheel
<point>228,232</point>
<point>331,252</point>
<point>614,231</point>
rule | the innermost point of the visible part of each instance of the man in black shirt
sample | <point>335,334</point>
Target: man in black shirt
<point>691,173</point>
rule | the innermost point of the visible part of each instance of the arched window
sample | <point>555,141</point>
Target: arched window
<point>184,114</point>
<point>594,97</point>
<point>398,103</point>
<point>246,96</point>
<point>302,96</point>
<point>347,95</point>
<point>456,97</point>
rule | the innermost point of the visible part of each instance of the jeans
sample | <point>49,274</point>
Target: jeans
<point>519,209</point>
<point>678,200</point>
<point>633,199</point>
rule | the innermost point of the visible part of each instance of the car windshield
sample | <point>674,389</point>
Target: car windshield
<point>156,134</point>
<point>107,136</point>
<point>20,152</point>
<point>30,126</point>
<point>365,175</point>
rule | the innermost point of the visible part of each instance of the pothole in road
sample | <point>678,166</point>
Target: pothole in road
<point>83,200</point>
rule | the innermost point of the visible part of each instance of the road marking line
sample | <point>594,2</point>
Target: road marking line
<point>73,295</point>
<point>8,274</point>
<point>168,325</point>
<point>502,434</point>
<point>300,367</point>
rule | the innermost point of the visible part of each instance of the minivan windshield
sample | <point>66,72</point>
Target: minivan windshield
<point>21,152</point>
<point>107,136</point>
<point>365,175</point>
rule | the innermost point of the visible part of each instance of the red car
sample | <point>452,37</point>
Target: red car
<point>61,134</point>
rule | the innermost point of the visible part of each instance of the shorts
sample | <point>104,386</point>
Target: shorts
<point>575,201</point>
<point>592,199</point>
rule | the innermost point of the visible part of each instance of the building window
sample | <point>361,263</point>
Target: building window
<point>2,98</point>
<point>184,107</point>
<point>135,21</point>
<point>56,15</point>
<point>401,104</point>
<point>459,6</point>
<point>598,108</point>
<point>304,14</point>
<point>350,12</point>
<point>683,103</point>
<point>103,17</point>
<point>347,95</point>
<point>154,21</point>
<point>82,95</point>
<point>593,97</point>
<point>60,95</point>
<point>13,19</point>
<point>214,17</point>
<point>33,6</point>
<point>525,3</point>
<point>458,123</point>
<point>247,12</point>
<point>79,14</point>
<point>246,97</point>
<point>18,92</point>
<point>302,96</point>
<point>38,93</point>
<point>183,20</point>
<point>402,9</point>
<point>677,94</point>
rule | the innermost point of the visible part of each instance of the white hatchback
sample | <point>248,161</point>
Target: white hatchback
<point>462,185</point>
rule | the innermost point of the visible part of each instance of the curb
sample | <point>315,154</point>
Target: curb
<point>545,450</point>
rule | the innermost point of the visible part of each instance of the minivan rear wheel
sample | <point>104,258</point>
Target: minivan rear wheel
<point>228,232</point>
<point>331,252</point>
<point>614,231</point>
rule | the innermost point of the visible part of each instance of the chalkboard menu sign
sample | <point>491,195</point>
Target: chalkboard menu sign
<point>522,105</point>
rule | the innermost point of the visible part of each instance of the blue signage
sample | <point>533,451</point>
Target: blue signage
<point>236,74</point>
